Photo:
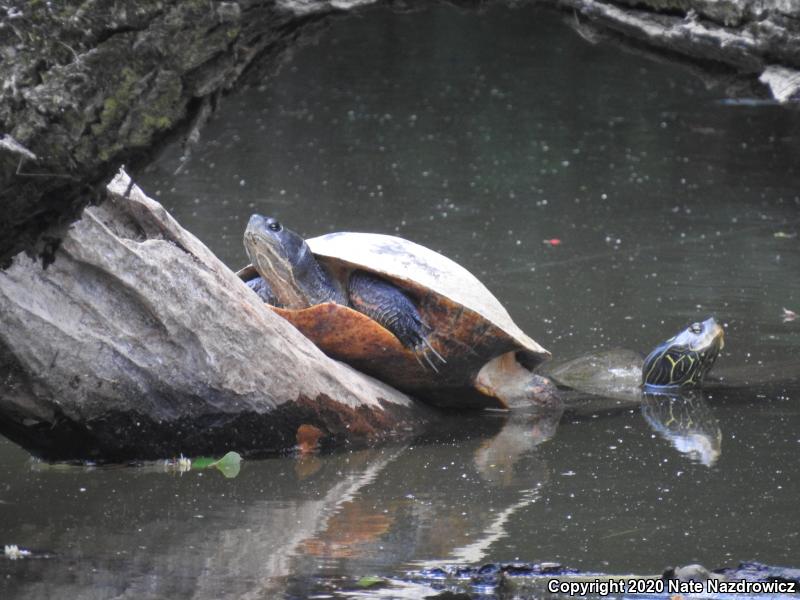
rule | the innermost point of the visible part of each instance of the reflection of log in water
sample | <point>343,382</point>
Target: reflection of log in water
<point>495,530</point>
<point>495,460</point>
<point>306,521</point>
<point>204,536</point>
<point>444,508</point>
<point>687,422</point>
<point>496,457</point>
<point>191,536</point>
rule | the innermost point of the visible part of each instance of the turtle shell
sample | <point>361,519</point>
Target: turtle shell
<point>470,329</point>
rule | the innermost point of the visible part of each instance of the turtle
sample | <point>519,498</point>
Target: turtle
<point>678,364</point>
<point>665,385</point>
<point>398,311</point>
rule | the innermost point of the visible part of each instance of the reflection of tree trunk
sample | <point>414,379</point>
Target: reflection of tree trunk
<point>199,535</point>
<point>203,538</point>
<point>137,342</point>
<point>269,544</point>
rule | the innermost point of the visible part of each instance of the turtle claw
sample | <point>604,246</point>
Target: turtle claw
<point>419,361</point>
<point>429,361</point>
<point>432,349</point>
<point>424,350</point>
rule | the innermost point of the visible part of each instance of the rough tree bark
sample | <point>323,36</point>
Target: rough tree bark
<point>137,342</point>
<point>87,84</point>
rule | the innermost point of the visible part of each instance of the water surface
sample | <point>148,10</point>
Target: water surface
<point>484,137</point>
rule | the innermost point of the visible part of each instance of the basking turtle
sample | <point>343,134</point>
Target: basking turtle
<point>399,311</point>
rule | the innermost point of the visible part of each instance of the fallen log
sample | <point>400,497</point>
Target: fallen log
<point>739,40</point>
<point>137,342</point>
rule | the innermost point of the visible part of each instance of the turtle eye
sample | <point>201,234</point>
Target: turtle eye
<point>274,226</point>
<point>696,328</point>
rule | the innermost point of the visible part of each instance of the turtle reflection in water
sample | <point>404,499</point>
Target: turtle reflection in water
<point>685,421</point>
<point>400,312</point>
<point>664,384</point>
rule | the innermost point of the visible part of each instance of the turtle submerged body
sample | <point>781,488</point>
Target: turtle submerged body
<point>400,312</point>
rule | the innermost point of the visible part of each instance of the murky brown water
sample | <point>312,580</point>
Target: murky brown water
<point>480,136</point>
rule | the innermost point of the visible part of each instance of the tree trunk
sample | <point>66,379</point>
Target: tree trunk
<point>749,39</point>
<point>88,84</point>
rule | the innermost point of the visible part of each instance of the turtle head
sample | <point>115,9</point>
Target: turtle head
<point>283,259</point>
<point>684,360</point>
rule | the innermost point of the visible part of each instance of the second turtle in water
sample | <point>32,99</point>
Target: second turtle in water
<point>663,385</point>
<point>679,363</point>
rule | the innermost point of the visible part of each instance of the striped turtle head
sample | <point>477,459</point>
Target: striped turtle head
<point>684,360</point>
<point>282,258</point>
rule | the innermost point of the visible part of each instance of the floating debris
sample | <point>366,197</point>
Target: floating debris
<point>789,315</point>
<point>783,235</point>
<point>179,465</point>
<point>14,552</point>
<point>371,581</point>
<point>229,465</point>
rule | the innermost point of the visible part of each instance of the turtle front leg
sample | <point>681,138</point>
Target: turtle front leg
<point>391,308</point>
<point>263,289</point>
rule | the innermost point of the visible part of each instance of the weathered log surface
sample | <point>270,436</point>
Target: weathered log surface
<point>86,85</point>
<point>137,342</point>
<point>758,38</point>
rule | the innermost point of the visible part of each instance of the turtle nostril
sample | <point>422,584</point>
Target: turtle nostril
<point>255,221</point>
